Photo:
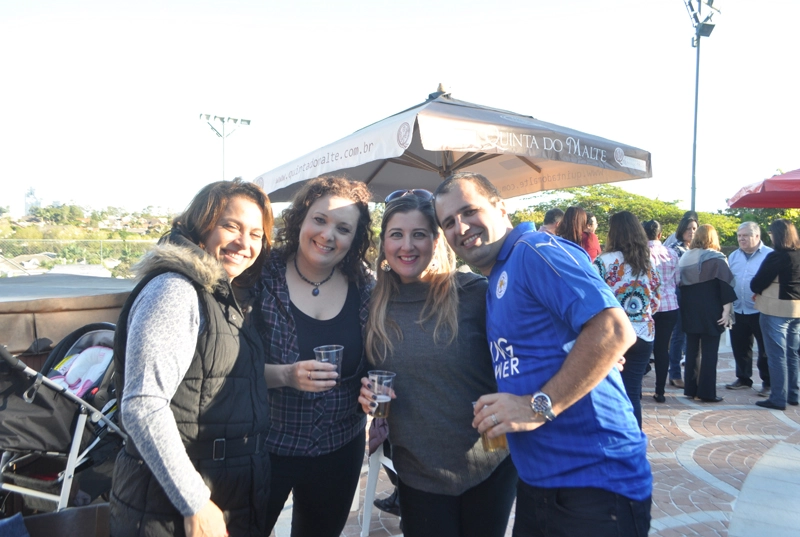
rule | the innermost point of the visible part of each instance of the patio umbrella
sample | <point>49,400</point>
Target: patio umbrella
<point>777,192</point>
<point>419,147</point>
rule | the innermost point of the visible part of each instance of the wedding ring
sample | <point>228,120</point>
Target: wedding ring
<point>309,375</point>
<point>494,419</point>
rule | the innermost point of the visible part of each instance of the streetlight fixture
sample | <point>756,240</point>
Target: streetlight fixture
<point>702,28</point>
<point>224,134</point>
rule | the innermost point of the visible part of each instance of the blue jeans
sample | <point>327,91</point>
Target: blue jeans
<point>571,512</point>
<point>636,360</point>
<point>782,339</point>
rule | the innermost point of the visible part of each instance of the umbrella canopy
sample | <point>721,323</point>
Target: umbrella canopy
<point>419,147</point>
<point>777,192</point>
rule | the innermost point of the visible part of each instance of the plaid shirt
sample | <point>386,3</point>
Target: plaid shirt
<point>304,423</point>
<point>665,261</point>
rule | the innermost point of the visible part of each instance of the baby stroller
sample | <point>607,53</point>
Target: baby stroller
<point>60,421</point>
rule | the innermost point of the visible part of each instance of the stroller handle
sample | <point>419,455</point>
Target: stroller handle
<point>13,361</point>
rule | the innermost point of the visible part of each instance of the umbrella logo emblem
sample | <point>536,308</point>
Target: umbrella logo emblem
<point>404,135</point>
<point>619,156</point>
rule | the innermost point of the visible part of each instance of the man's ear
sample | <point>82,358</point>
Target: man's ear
<point>501,204</point>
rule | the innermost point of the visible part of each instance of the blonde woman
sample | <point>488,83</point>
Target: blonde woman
<point>427,324</point>
<point>706,303</point>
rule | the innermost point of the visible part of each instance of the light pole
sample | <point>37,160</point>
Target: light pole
<point>702,28</point>
<point>224,120</point>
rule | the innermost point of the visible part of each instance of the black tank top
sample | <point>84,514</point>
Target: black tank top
<point>344,329</point>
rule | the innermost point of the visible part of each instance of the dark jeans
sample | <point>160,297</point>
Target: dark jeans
<point>744,330</point>
<point>636,360</point>
<point>701,382</point>
<point>323,488</point>
<point>665,324</point>
<point>677,345</point>
<point>575,512</point>
<point>481,511</point>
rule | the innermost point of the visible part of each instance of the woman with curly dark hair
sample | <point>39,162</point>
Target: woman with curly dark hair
<point>314,292</point>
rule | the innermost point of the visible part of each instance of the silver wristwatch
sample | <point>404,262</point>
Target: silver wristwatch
<point>541,405</point>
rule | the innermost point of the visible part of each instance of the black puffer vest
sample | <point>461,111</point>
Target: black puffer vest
<point>222,396</point>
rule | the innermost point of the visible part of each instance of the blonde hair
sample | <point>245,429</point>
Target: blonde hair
<point>442,299</point>
<point>706,238</point>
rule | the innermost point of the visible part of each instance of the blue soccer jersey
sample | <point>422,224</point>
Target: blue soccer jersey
<point>542,290</point>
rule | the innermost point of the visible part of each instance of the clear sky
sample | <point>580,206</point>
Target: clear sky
<point>101,99</point>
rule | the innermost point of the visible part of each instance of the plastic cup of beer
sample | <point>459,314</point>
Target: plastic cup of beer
<point>490,445</point>
<point>382,382</point>
<point>331,354</point>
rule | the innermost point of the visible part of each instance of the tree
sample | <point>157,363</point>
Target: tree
<point>763,217</point>
<point>4,210</point>
<point>605,200</point>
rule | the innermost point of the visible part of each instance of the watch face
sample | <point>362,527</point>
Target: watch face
<point>541,403</point>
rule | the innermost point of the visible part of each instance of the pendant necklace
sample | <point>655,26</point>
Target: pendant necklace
<point>315,290</point>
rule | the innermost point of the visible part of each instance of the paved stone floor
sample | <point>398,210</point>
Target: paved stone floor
<point>701,454</point>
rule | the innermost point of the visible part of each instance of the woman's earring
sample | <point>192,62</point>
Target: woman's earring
<point>385,266</point>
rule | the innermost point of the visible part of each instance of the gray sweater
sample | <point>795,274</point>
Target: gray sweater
<point>162,336</point>
<point>434,447</point>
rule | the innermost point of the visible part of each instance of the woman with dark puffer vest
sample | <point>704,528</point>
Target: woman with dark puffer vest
<point>190,377</point>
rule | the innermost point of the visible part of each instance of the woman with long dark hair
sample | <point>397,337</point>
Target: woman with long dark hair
<point>777,288</point>
<point>665,261</point>
<point>627,268</point>
<point>706,306</point>
<point>315,292</point>
<point>427,324</point>
<point>572,225</point>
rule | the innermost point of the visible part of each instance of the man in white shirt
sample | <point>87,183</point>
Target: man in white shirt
<point>744,264</point>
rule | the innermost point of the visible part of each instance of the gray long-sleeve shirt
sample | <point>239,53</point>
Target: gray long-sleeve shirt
<point>434,447</point>
<point>162,336</point>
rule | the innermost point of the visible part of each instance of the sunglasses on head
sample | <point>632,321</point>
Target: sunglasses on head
<point>418,192</point>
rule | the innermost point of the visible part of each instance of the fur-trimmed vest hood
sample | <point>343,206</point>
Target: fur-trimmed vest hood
<point>221,401</point>
<point>176,253</point>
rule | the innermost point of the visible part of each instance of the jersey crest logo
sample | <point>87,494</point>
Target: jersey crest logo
<point>502,284</point>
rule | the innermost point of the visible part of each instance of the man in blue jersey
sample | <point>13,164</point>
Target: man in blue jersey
<point>556,333</point>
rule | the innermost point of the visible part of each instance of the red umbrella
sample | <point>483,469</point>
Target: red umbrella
<point>777,192</point>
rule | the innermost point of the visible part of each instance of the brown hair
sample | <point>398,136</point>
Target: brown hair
<point>784,235</point>
<point>572,225</point>
<point>652,229</point>
<point>684,224</point>
<point>706,237</point>
<point>481,183</point>
<point>626,235</point>
<point>205,209</point>
<point>354,264</point>
<point>442,300</point>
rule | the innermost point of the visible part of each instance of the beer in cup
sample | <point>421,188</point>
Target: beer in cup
<point>491,445</point>
<point>382,388</point>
